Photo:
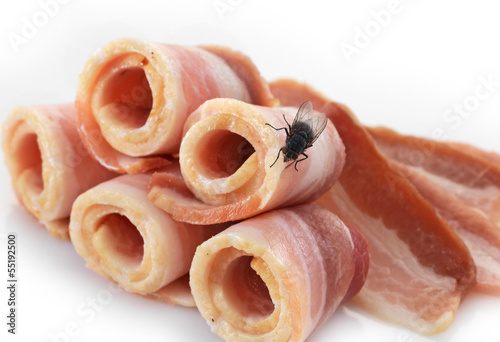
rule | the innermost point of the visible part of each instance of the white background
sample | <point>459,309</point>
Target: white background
<point>427,58</point>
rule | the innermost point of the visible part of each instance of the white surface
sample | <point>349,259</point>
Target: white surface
<point>427,58</point>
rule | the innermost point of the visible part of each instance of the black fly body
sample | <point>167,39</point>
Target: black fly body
<point>305,129</point>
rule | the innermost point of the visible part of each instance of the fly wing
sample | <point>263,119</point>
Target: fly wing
<point>315,120</point>
<point>304,112</point>
<point>319,122</point>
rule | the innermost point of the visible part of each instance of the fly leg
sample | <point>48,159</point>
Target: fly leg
<point>279,129</point>
<point>296,162</point>
<point>289,127</point>
<point>277,156</point>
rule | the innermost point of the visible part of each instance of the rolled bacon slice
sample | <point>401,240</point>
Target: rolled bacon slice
<point>226,157</point>
<point>278,276</point>
<point>463,183</point>
<point>134,96</point>
<point>48,164</point>
<point>419,268</point>
<point>122,236</point>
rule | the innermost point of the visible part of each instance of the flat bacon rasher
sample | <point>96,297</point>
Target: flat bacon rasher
<point>463,183</point>
<point>419,268</point>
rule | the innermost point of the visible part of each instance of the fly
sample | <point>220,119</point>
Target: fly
<point>305,129</point>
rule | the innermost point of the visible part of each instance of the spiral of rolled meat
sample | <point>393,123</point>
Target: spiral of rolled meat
<point>47,162</point>
<point>226,160</point>
<point>122,236</point>
<point>134,96</point>
<point>277,276</point>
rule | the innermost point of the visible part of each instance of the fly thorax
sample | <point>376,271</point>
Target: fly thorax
<point>303,134</point>
<point>297,142</point>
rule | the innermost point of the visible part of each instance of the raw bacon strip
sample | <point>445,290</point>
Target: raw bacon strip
<point>48,164</point>
<point>464,188</point>
<point>481,236</point>
<point>493,157</point>
<point>419,268</point>
<point>226,158</point>
<point>247,71</point>
<point>134,96</point>
<point>474,179</point>
<point>278,276</point>
<point>122,236</point>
